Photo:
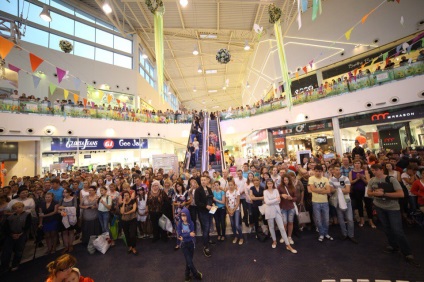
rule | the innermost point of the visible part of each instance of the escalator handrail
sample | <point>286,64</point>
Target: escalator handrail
<point>205,144</point>
<point>187,159</point>
<point>223,164</point>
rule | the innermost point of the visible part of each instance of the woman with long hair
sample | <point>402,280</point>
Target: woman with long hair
<point>359,178</point>
<point>232,203</point>
<point>128,211</point>
<point>288,200</point>
<point>257,196</point>
<point>142,213</point>
<point>104,204</point>
<point>181,199</point>
<point>272,212</point>
<point>90,220</point>
<point>48,221</point>
<point>220,213</point>
<point>68,233</point>
<point>60,268</point>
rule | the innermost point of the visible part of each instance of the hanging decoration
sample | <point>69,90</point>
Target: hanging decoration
<point>66,46</point>
<point>223,56</point>
<point>5,47</point>
<point>274,17</point>
<point>274,13</point>
<point>35,61</point>
<point>158,9</point>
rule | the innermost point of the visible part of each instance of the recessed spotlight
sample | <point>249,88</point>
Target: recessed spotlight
<point>246,46</point>
<point>183,3</point>
<point>199,70</point>
<point>195,51</point>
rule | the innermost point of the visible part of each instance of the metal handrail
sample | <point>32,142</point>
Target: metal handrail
<point>223,164</point>
<point>205,144</point>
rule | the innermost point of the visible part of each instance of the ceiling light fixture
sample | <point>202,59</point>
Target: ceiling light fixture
<point>106,7</point>
<point>195,51</point>
<point>212,91</point>
<point>194,89</point>
<point>224,87</point>
<point>247,84</point>
<point>143,55</point>
<point>211,71</point>
<point>183,3</point>
<point>199,70</point>
<point>45,14</point>
<point>246,46</point>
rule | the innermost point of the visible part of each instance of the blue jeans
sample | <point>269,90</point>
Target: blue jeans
<point>104,221</point>
<point>205,221</point>
<point>288,215</point>
<point>347,215</point>
<point>391,222</point>
<point>235,224</point>
<point>196,152</point>
<point>219,217</point>
<point>322,217</point>
<point>188,251</point>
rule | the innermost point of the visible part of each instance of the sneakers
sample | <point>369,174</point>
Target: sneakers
<point>235,240</point>
<point>199,275</point>
<point>241,241</point>
<point>274,245</point>
<point>328,237</point>
<point>282,241</point>
<point>321,238</point>
<point>291,241</point>
<point>206,252</point>
<point>353,240</point>
<point>390,250</point>
<point>409,259</point>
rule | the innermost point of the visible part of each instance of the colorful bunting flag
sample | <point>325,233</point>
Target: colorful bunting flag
<point>60,74</point>
<point>76,98</point>
<point>84,101</point>
<point>92,104</point>
<point>109,98</point>
<point>314,9</point>
<point>304,5</point>
<point>13,68</point>
<point>305,69</point>
<point>347,34</point>
<point>297,75</point>
<point>5,47</point>
<point>35,61</point>
<point>65,94</point>
<point>385,55</point>
<point>364,18</point>
<point>36,80</point>
<point>311,62</point>
<point>118,101</point>
<point>125,106</point>
<point>52,88</point>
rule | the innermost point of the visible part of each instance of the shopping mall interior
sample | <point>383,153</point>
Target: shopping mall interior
<point>99,84</point>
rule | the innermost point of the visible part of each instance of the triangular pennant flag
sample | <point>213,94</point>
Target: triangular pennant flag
<point>84,101</point>
<point>347,34</point>
<point>77,83</point>
<point>362,67</point>
<point>311,62</point>
<point>398,48</point>
<point>364,18</point>
<point>118,101</point>
<point>314,9</point>
<point>90,88</point>
<point>5,47</point>
<point>304,5</point>
<point>402,21</point>
<point>387,61</point>
<point>109,98</point>
<point>13,68</point>
<point>76,98</point>
<point>52,88</point>
<point>305,69</point>
<point>101,94</point>
<point>355,71</point>
<point>297,75</point>
<point>125,106</point>
<point>60,74</point>
<point>65,94</point>
<point>35,61</point>
<point>92,104</point>
<point>36,80</point>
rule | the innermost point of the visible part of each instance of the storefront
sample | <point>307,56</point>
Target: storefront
<point>316,136</point>
<point>390,129</point>
<point>64,153</point>
<point>256,144</point>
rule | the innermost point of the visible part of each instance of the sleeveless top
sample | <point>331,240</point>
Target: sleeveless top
<point>128,207</point>
<point>360,184</point>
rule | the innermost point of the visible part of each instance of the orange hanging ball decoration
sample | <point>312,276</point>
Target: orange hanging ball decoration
<point>361,139</point>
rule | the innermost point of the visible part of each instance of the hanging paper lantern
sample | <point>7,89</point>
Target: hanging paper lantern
<point>361,139</point>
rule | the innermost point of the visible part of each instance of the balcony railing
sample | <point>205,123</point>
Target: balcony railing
<point>340,88</point>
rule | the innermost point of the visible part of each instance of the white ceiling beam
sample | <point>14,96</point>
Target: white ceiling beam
<point>112,20</point>
<point>217,15</point>
<point>181,15</point>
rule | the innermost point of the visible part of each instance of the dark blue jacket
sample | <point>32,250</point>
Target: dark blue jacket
<point>186,235</point>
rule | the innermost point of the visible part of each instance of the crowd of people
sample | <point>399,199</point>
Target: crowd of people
<point>131,203</point>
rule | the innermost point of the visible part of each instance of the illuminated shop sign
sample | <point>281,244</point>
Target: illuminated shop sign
<point>303,128</point>
<point>72,144</point>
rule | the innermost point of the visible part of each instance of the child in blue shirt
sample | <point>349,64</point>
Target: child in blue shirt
<point>186,235</point>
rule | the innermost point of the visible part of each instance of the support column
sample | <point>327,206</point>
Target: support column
<point>337,136</point>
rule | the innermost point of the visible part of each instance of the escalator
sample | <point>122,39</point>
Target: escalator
<point>196,131</point>
<point>215,148</point>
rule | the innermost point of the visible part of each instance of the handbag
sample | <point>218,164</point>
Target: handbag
<point>304,216</point>
<point>165,223</point>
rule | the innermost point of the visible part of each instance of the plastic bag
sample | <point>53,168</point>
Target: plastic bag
<point>165,223</point>
<point>114,228</point>
<point>102,243</point>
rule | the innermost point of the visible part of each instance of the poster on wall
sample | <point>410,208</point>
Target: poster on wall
<point>301,155</point>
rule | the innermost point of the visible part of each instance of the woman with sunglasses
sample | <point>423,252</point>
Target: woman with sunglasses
<point>272,212</point>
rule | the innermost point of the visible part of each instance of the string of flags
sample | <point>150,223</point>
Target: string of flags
<point>302,6</point>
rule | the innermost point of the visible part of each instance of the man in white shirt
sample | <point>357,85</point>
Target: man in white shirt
<point>196,148</point>
<point>341,184</point>
<point>241,186</point>
<point>224,179</point>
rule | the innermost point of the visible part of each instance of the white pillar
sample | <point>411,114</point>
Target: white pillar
<point>337,136</point>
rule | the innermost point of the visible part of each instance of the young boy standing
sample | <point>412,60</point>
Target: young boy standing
<point>186,235</point>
